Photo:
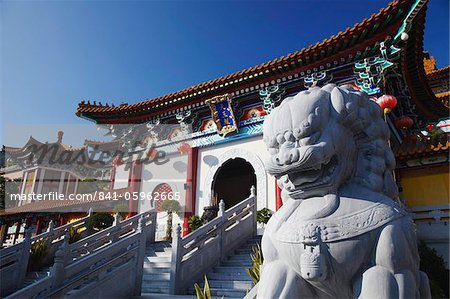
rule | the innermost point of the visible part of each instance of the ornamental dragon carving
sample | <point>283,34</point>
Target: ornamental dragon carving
<point>340,232</point>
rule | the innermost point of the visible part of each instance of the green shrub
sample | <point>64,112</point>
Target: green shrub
<point>434,266</point>
<point>100,221</point>
<point>263,215</point>
<point>74,235</point>
<point>255,271</point>
<point>122,209</point>
<point>170,206</point>
<point>38,251</point>
<point>195,222</point>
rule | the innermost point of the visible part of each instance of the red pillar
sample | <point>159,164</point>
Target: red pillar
<point>191,184</point>
<point>113,176</point>
<point>62,219</point>
<point>39,226</point>
<point>16,233</point>
<point>135,186</point>
<point>278,200</point>
<point>3,233</point>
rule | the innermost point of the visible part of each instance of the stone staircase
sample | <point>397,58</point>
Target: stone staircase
<point>156,277</point>
<point>230,279</point>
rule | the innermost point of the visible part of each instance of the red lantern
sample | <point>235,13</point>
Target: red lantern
<point>387,103</point>
<point>430,127</point>
<point>404,122</point>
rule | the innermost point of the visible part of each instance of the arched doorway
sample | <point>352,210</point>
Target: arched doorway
<point>233,180</point>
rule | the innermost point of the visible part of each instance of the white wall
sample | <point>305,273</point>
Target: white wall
<point>210,156</point>
<point>121,176</point>
<point>174,173</point>
<point>175,170</point>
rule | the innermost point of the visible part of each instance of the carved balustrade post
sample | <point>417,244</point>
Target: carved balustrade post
<point>141,229</point>
<point>89,215</point>
<point>254,209</point>
<point>117,227</point>
<point>66,247</point>
<point>221,230</point>
<point>176,261</point>
<point>57,271</point>
<point>51,226</point>
<point>151,230</point>
<point>25,257</point>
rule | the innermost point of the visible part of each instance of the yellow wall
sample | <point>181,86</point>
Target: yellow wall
<point>426,189</point>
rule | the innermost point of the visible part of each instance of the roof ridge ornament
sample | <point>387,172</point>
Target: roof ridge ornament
<point>402,32</point>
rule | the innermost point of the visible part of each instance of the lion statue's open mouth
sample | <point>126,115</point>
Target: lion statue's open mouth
<point>319,175</point>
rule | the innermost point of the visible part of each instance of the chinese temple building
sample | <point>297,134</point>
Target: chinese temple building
<point>52,169</point>
<point>201,152</point>
<point>221,153</point>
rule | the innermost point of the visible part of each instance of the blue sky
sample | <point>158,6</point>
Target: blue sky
<point>55,53</point>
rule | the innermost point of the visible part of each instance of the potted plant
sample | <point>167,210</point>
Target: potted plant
<point>38,253</point>
<point>170,206</point>
<point>262,217</point>
<point>195,222</point>
<point>74,235</point>
<point>210,212</point>
<point>121,209</point>
<point>100,221</point>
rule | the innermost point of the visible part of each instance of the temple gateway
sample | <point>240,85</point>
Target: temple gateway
<point>382,55</point>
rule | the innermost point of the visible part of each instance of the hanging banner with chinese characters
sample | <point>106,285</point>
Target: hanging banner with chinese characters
<point>222,114</point>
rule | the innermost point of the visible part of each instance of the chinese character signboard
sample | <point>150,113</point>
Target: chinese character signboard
<point>222,114</point>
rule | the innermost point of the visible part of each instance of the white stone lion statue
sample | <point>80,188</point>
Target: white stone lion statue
<point>340,232</point>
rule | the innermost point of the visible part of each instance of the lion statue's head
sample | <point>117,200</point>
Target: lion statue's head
<point>325,137</point>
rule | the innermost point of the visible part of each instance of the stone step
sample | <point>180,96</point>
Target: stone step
<point>231,284</point>
<point>155,270</point>
<point>158,259</point>
<point>224,269</point>
<point>243,251</point>
<point>244,257</point>
<point>229,276</point>
<point>164,296</point>
<point>234,263</point>
<point>152,289</point>
<point>163,254</point>
<point>162,250</point>
<point>226,293</point>
<point>156,276</point>
<point>156,283</point>
<point>157,264</point>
